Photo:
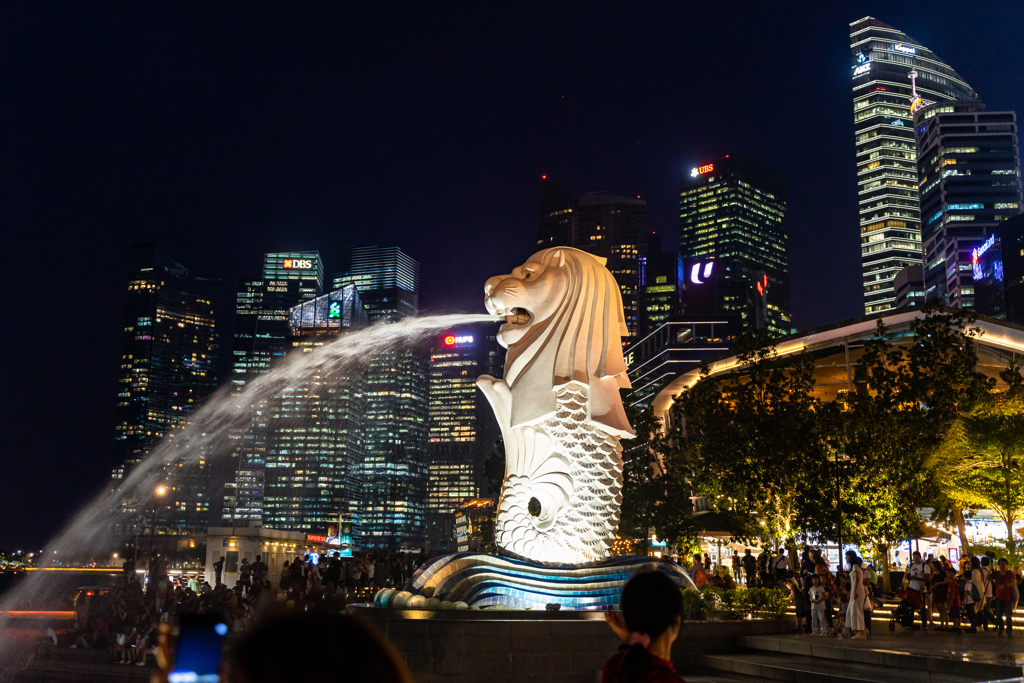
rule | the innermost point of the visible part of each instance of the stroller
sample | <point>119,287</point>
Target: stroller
<point>903,614</point>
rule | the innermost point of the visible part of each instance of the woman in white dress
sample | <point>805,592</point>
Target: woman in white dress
<point>855,606</point>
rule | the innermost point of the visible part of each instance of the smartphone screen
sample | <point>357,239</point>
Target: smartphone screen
<point>197,655</point>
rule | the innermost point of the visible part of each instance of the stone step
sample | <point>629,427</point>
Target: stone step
<point>973,665</point>
<point>809,669</point>
<point>82,666</point>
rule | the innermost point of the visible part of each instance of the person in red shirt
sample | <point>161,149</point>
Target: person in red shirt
<point>1005,602</point>
<point>652,612</point>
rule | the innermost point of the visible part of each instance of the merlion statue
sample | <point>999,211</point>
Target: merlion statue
<point>559,407</point>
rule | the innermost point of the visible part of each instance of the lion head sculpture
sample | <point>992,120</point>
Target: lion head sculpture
<point>564,324</point>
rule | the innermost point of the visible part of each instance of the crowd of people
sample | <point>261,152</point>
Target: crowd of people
<point>978,593</point>
<point>981,592</point>
<point>125,619</point>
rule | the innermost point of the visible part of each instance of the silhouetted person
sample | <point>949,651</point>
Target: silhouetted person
<point>652,612</point>
<point>278,647</point>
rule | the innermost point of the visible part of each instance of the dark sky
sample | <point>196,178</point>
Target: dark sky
<point>224,135</point>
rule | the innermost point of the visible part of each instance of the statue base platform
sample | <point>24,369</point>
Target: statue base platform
<point>483,581</point>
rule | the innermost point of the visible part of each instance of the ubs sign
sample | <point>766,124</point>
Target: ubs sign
<point>297,263</point>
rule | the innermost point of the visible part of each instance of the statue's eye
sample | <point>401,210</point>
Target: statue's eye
<point>529,275</point>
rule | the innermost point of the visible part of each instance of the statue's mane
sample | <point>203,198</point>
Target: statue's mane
<point>581,342</point>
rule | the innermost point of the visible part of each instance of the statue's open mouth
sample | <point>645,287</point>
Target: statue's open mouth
<point>518,316</point>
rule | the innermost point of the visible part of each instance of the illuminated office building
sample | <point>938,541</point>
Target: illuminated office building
<point>732,231</point>
<point>909,287</point>
<point>662,282</point>
<point>387,278</point>
<point>261,332</point>
<point>1011,236</point>
<point>169,353</point>
<point>968,168</point>
<point>313,439</point>
<point>604,225</point>
<point>463,430</point>
<point>395,426</point>
<point>890,213</point>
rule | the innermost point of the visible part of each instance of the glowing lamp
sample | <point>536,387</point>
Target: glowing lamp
<point>449,340</point>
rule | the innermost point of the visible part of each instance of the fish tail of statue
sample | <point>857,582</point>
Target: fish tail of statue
<point>559,407</point>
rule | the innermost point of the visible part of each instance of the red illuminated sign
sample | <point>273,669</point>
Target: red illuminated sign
<point>452,340</point>
<point>316,539</point>
<point>706,168</point>
<point>297,263</point>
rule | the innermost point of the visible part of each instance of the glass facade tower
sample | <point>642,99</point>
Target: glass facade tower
<point>387,278</point>
<point>732,230</point>
<point>313,444</point>
<point>261,334</point>
<point>890,215</point>
<point>463,430</point>
<point>969,174</point>
<point>604,225</point>
<point>395,426</point>
<point>169,355</point>
<point>662,282</point>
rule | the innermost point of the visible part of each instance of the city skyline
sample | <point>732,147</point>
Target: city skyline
<point>92,170</point>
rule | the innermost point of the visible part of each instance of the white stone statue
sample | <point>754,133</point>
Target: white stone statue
<point>559,407</point>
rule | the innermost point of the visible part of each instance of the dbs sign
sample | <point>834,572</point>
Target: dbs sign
<point>297,263</point>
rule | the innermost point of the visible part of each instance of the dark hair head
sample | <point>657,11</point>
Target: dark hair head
<point>986,561</point>
<point>651,604</point>
<point>975,562</point>
<point>270,652</point>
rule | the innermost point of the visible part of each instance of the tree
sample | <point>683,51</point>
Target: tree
<point>751,441</point>
<point>981,460</point>
<point>943,384</point>
<point>875,437</point>
<point>655,490</point>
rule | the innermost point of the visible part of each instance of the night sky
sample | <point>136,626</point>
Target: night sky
<point>225,135</point>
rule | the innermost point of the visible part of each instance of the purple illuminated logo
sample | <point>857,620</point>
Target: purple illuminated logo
<point>695,273</point>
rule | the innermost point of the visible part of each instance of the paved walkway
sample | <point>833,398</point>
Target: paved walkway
<point>984,646</point>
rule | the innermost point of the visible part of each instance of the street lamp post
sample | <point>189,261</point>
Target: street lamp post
<point>160,491</point>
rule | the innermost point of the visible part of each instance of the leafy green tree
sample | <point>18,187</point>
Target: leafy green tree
<point>981,460</point>
<point>874,434</point>
<point>655,491</point>
<point>751,440</point>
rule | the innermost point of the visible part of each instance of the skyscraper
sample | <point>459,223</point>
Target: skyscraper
<point>463,430</point>
<point>968,168</point>
<point>395,428</point>
<point>387,278</point>
<point>662,282</point>
<point>169,354</point>
<point>732,228</point>
<point>605,225</point>
<point>313,443</point>
<point>1011,257</point>
<point>890,215</point>
<point>261,333</point>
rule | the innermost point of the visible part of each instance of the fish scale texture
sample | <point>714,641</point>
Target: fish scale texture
<point>583,530</point>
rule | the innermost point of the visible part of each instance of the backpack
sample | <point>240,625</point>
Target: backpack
<point>975,595</point>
